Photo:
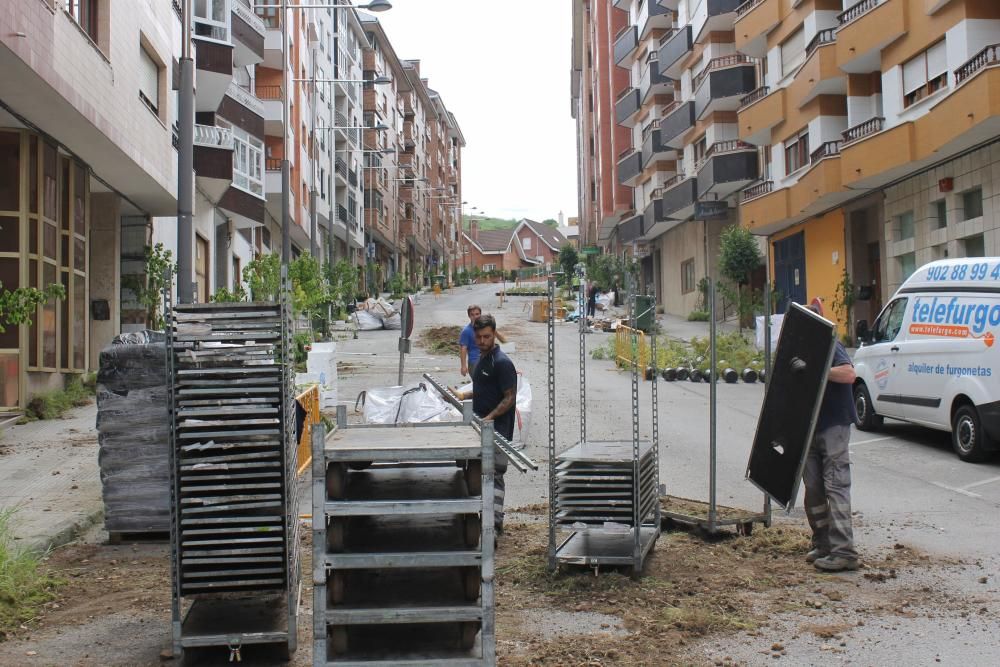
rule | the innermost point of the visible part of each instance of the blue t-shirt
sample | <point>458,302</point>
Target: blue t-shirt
<point>468,339</point>
<point>837,408</point>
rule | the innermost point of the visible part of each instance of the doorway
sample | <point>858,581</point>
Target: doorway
<point>201,266</point>
<point>790,271</point>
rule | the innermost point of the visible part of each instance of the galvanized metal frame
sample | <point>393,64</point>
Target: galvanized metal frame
<point>482,434</point>
<point>186,381</point>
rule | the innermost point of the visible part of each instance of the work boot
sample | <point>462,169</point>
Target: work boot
<point>815,554</point>
<point>835,563</point>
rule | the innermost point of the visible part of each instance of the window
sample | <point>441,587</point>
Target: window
<point>248,160</point>
<point>972,204</point>
<point>904,223</point>
<point>889,323</point>
<point>907,265</point>
<point>149,81</point>
<point>237,275</point>
<point>925,74</point>
<point>765,159</point>
<point>687,276</point>
<point>793,52</point>
<point>84,12</point>
<point>940,214</point>
<point>489,267</point>
<point>974,246</point>
<point>526,243</point>
<point>700,148</point>
<point>797,151</point>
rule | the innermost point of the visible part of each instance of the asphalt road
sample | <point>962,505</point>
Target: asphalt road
<point>908,485</point>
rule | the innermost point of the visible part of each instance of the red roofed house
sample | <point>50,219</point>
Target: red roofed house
<point>529,244</point>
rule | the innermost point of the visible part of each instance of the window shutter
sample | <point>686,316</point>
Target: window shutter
<point>793,52</point>
<point>937,60</point>
<point>914,74</point>
<point>149,78</point>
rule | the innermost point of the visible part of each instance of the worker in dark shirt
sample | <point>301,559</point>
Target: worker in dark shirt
<point>827,473</point>
<point>494,394</point>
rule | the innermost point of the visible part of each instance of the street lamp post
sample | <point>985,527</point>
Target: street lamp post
<point>185,163</point>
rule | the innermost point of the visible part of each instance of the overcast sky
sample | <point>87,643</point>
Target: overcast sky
<point>503,69</point>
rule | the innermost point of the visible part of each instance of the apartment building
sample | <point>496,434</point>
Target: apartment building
<point>878,123</point>
<point>85,144</point>
<point>596,82</point>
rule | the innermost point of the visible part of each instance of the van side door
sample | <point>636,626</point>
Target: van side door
<point>888,380</point>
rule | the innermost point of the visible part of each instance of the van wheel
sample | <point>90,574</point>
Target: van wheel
<point>867,419</point>
<point>967,435</point>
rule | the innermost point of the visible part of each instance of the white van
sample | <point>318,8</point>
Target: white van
<point>932,356</point>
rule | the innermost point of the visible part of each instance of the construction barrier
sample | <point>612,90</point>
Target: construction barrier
<point>625,339</point>
<point>310,401</point>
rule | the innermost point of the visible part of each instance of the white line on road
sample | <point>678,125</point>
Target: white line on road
<point>952,488</point>
<point>865,442</point>
<point>980,483</point>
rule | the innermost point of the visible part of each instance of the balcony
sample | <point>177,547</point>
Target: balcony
<point>968,116</point>
<point>988,57</point>
<point>723,83</point>
<point>679,196</point>
<point>676,124</point>
<point>653,213</point>
<point>653,149</point>
<point>674,48</point>
<point>272,189</point>
<point>759,113</point>
<point>728,166</point>
<point>627,107</point>
<point>653,16</point>
<point>721,14</point>
<point>625,44</point>
<point>249,32</point>
<point>865,29</point>
<point>629,167</point>
<point>652,82</point>
<point>271,98</point>
<point>754,20</point>
<point>819,74</point>
<point>245,98</point>
<point>213,159</point>
<point>630,229</point>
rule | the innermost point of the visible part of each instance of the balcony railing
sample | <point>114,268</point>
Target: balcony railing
<point>728,146</point>
<point>758,94</point>
<point>746,6</point>
<point>242,9</point>
<point>245,97</point>
<point>341,167</point>
<point>758,190</point>
<point>857,10</point>
<point>988,57</point>
<point>721,62</point>
<point>861,130</point>
<point>623,94</point>
<point>272,164</point>
<point>826,149</point>
<point>828,36</point>
<point>213,137</point>
<point>269,93</point>
<point>673,180</point>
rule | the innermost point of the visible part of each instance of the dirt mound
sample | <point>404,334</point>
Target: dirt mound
<point>441,340</point>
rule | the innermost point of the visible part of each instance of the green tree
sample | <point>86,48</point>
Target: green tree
<point>17,306</point>
<point>568,259</point>
<point>550,222</point>
<point>148,286</point>
<point>263,277</point>
<point>342,281</point>
<point>739,255</point>
<point>310,293</point>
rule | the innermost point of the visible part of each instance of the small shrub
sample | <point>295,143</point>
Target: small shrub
<point>698,316</point>
<point>24,588</point>
<point>79,391</point>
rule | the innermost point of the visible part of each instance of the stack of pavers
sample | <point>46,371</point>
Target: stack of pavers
<point>235,508</point>
<point>596,485</point>
<point>133,434</point>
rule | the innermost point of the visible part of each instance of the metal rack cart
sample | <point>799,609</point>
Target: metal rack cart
<point>234,510</point>
<point>403,544</point>
<point>604,493</point>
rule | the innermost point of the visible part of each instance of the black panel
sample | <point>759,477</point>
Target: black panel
<point>716,7</point>
<point>652,145</point>
<point>676,48</point>
<point>626,44</point>
<point>629,167</point>
<point>727,168</point>
<point>680,196</point>
<point>724,83</point>
<point>627,105</point>
<point>630,229</point>
<point>676,123</point>
<point>788,416</point>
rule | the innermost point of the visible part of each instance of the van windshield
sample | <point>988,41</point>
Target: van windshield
<point>890,322</point>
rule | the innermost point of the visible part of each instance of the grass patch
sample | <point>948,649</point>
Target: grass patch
<point>24,586</point>
<point>79,391</point>
<point>441,340</point>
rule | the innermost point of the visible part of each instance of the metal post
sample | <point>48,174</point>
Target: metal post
<point>582,321</point>
<point>767,348</point>
<point>633,323</point>
<point>185,164</point>
<point>712,389</point>
<point>286,167</point>
<point>551,330</point>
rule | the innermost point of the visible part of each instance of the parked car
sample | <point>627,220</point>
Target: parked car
<point>932,356</point>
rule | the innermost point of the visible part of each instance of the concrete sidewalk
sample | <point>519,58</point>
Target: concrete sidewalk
<point>49,474</point>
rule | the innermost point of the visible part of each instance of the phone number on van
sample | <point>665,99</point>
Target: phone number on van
<point>976,271</point>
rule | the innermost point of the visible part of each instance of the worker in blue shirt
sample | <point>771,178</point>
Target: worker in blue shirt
<point>468,352</point>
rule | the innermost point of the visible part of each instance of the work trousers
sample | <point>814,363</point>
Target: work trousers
<point>827,478</point>
<point>499,488</point>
